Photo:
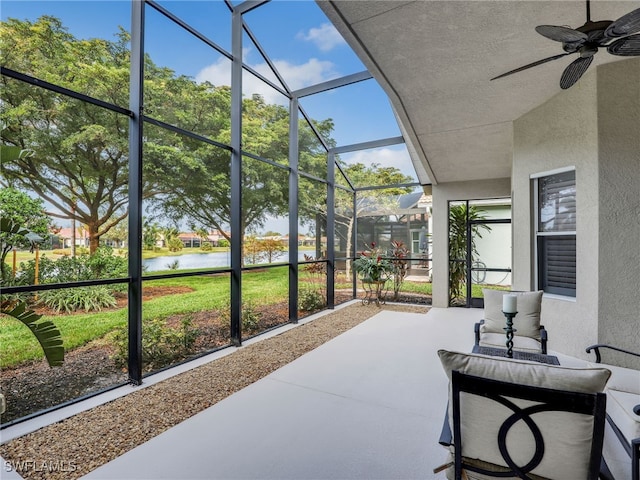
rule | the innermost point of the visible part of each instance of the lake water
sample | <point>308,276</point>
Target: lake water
<point>202,260</point>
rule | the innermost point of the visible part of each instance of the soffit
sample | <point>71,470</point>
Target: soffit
<point>435,58</point>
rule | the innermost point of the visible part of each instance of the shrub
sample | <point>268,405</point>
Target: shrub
<point>249,317</point>
<point>173,265</point>
<point>162,345</point>
<point>206,247</point>
<point>310,300</point>
<point>102,264</point>
<point>175,244</point>
<point>69,300</point>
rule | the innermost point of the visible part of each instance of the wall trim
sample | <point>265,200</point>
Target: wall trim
<point>555,171</point>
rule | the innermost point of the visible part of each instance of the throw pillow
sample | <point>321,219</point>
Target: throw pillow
<point>526,322</point>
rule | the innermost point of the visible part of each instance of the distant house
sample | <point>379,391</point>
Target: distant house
<point>193,240</point>
<point>65,238</point>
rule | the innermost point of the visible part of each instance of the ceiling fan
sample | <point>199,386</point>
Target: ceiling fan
<point>586,40</point>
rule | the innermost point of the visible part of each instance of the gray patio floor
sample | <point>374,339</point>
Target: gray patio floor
<point>369,404</point>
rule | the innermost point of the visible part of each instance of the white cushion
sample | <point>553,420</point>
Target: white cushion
<point>497,340</point>
<point>620,409</point>
<point>526,322</point>
<point>567,435</point>
<point>623,379</point>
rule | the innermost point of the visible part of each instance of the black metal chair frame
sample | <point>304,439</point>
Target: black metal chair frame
<point>632,445</point>
<point>549,400</point>
<point>543,336</point>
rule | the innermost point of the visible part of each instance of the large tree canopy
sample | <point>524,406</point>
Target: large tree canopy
<point>80,164</point>
<point>80,160</point>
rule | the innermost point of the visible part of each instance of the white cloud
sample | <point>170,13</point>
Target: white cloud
<point>325,37</point>
<point>297,76</point>
<point>385,157</point>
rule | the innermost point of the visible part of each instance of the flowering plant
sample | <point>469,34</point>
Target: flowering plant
<point>372,266</point>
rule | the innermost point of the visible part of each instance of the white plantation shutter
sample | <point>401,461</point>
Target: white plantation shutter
<point>556,233</point>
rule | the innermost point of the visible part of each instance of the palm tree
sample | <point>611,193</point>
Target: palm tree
<point>45,331</point>
<point>458,218</point>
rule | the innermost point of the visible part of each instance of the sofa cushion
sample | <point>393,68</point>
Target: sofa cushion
<point>620,408</point>
<point>498,340</point>
<point>622,379</point>
<point>526,322</point>
<point>482,417</point>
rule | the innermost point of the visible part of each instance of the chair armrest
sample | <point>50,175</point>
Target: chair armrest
<point>596,349</point>
<point>476,330</point>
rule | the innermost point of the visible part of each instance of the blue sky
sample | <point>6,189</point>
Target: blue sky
<point>296,35</point>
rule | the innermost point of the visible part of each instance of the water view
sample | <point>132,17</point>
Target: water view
<point>203,260</point>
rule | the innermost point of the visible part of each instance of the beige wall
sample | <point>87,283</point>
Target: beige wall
<point>594,127</point>
<point>442,194</point>
<point>619,225</point>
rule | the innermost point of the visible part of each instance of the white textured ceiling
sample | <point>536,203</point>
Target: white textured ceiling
<point>435,58</point>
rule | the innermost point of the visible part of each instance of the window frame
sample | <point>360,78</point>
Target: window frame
<point>540,236</point>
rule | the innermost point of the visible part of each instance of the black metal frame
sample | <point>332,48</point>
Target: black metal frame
<point>138,118</point>
<point>471,302</point>
<point>631,445</point>
<point>593,404</point>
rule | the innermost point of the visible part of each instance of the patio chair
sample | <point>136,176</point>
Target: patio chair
<point>518,419</point>
<point>623,405</point>
<point>530,335</point>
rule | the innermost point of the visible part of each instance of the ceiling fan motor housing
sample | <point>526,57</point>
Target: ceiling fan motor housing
<point>595,34</point>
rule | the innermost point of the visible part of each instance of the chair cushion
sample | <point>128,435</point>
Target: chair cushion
<point>498,340</point>
<point>483,417</point>
<point>526,322</point>
<point>620,409</point>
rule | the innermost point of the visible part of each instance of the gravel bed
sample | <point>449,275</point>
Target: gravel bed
<point>73,447</point>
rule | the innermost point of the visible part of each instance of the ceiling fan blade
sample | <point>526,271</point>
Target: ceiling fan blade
<point>534,64</point>
<point>625,25</point>
<point>561,34</point>
<point>574,71</point>
<point>625,47</point>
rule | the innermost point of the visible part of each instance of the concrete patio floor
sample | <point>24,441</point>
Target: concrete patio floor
<point>368,404</point>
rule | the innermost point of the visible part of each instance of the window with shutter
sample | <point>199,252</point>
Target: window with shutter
<point>556,233</point>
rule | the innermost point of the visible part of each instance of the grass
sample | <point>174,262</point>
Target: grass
<point>209,293</point>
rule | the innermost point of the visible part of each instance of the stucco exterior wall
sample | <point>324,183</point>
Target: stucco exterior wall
<point>583,127</point>
<point>442,194</point>
<point>619,219</point>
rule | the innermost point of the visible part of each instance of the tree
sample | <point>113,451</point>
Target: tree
<point>150,235</point>
<point>81,167</point>
<point>272,248</point>
<point>82,163</point>
<point>199,191</point>
<point>458,218</point>
<point>20,209</point>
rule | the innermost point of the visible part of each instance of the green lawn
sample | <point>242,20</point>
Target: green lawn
<point>209,292</point>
